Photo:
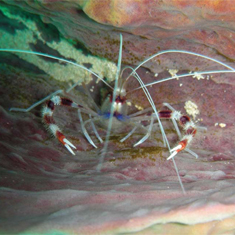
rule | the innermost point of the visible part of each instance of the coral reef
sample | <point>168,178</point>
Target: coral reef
<point>44,189</point>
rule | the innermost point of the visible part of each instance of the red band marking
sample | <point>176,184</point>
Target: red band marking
<point>60,137</point>
<point>118,99</point>
<point>50,104</point>
<point>165,114</point>
<point>66,101</point>
<point>49,119</point>
<point>183,143</point>
<point>184,120</point>
<point>191,131</point>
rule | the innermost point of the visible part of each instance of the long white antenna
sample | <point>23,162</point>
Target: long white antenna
<point>56,58</point>
<point>104,150</point>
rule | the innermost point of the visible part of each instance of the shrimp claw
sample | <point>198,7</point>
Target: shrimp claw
<point>47,114</point>
<point>186,123</point>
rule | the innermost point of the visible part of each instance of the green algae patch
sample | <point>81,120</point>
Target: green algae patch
<point>31,37</point>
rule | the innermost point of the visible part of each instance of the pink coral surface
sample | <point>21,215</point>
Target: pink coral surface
<point>46,189</point>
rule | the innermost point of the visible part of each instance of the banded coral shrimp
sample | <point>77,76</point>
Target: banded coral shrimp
<point>119,90</point>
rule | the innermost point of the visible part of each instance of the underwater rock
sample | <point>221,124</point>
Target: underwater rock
<point>151,26</point>
<point>45,189</point>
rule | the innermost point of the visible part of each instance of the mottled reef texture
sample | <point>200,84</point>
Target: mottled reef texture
<point>44,189</point>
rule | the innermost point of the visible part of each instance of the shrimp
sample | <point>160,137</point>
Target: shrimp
<point>115,108</point>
